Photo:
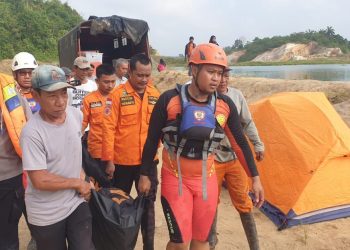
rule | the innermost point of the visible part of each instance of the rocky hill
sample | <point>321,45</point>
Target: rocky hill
<point>295,51</point>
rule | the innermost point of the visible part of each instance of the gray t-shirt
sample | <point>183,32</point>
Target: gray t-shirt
<point>225,153</point>
<point>10,162</point>
<point>56,148</point>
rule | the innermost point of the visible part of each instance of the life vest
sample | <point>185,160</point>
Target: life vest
<point>12,111</point>
<point>195,134</point>
<point>33,105</point>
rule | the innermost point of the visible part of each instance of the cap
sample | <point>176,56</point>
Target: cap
<point>81,62</point>
<point>66,71</point>
<point>49,78</point>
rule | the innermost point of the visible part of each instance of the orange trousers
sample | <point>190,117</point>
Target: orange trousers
<point>237,184</point>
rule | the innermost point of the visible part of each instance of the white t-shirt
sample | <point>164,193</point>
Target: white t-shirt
<point>120,81</point>
<point>57,149</point>
<point>76,96</point>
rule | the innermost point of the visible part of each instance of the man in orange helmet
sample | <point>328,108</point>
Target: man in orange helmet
<point>191,120</point>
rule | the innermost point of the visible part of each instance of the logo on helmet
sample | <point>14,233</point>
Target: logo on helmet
<point>201,55</point>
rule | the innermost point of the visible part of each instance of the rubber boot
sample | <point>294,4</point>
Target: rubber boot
<point>248,223</point>
<point>32,245</point>
<point>213,235</point>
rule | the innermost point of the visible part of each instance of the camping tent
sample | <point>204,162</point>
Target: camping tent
<point>306,170</point>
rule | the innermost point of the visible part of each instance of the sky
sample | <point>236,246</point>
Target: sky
<point>172,22</point>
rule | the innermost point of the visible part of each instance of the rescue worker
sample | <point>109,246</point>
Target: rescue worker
<point>22,66</point>
<point>188,51</point>
<point>124,134</point>
<point>14,112</point>
<point>95,105</point>
<point>227,167</point>
<point>191,120</point>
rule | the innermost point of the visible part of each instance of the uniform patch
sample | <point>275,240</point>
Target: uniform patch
<point>127,100</point>
<point>152,100</point>
<point>108,107</point>
<point>221,119</point>
<point>199,115</point>
<point>95,104</point>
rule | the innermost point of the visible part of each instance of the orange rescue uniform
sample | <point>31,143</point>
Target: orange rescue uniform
<point>95,105</point>
<point>125,127</point>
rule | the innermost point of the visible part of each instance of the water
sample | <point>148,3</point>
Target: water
<point>323,72</point>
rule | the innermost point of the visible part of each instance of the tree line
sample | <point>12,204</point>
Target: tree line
<point>34,26</point>
<point>324,37</point>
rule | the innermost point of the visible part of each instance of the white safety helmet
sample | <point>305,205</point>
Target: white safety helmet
<point>23,60</point>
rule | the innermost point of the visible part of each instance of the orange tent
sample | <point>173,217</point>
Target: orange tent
<point>306,171</point>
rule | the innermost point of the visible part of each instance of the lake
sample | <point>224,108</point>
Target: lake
<point>321,72</point>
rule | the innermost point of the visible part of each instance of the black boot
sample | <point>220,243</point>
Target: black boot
<point>213,235</point>
<point>250,230</point>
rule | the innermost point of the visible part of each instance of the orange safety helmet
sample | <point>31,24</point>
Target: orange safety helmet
<point>208,53</point>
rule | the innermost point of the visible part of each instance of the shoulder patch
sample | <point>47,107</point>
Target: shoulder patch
<point>221,118</point>
<point>124,93</point>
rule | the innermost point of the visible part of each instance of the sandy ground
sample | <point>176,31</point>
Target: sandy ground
<point>326,235</point>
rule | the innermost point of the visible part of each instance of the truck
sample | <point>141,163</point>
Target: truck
<point>103,40</point>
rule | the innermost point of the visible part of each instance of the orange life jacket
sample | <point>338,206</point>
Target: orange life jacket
<point>12,110</point>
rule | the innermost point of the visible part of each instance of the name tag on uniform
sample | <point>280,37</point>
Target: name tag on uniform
<point>127,100</point>
<point>152,100</point>
<point>96,104</point>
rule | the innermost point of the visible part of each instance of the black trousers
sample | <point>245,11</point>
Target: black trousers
<point>124,178</point>
<point>76,229</point>
<point>11,208</point>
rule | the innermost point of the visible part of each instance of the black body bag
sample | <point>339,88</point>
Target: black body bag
<point>116,219</point>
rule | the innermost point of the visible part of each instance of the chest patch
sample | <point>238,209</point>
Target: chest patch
<point>152,100</point>
<point>127,100</point>
<point>95,104</point>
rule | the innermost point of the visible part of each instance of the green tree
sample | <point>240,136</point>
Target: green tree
<point>34,26</point>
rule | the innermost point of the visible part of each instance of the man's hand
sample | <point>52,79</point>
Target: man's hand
<point>110,168</point>
<point>84,189</point>
<point>259,156</point>
<point>144,184</point>
<point>258,192</point>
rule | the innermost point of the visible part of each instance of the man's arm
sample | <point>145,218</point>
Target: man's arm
<point>250,129</point>
<point>157,122</point>
<point>46,181</point>
<point>86,114</point>
<point>109,126</point>
<point>241,147</point>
